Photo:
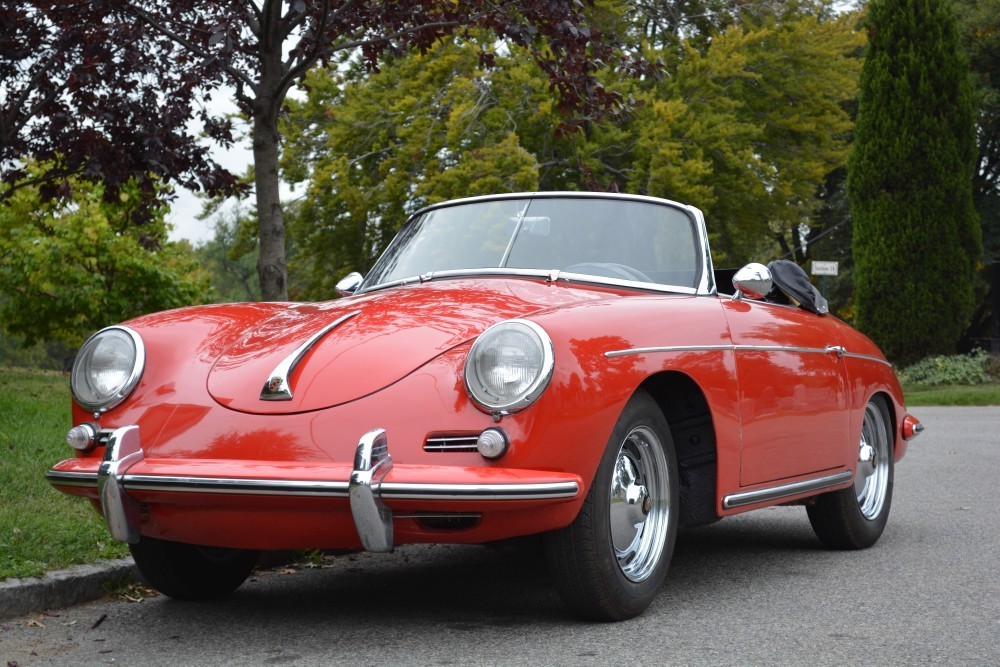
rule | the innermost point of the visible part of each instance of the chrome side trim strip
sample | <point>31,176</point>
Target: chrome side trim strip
<point>740,348</point>
<point>743,498</point>
<point>669,348</point>
<point>276,388</point>
<point>867,357</point>
<point>830,349</point>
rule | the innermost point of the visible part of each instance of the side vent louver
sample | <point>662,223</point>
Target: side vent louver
<point>451,443</point>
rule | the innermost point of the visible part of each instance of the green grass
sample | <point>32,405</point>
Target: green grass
<point>980,394</point>
<point>40,528</point>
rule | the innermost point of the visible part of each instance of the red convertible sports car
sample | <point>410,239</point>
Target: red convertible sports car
<point>553,364</point>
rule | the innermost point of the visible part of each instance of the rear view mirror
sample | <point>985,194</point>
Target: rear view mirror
<point>753,281</point>
<point>349,284</point>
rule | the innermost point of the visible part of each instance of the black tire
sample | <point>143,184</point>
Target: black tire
<point>192,572</point>
<point>610,562</point>
<point>854,518</point>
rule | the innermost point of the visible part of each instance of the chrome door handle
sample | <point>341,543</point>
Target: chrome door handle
<point>837,350</point>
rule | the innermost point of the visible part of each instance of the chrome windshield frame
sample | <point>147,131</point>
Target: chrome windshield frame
<point>705,283</point>
<point>549,275</point>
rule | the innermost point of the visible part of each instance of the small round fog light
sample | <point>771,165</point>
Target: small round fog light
<point>492,443</point>
<point>82,437</point>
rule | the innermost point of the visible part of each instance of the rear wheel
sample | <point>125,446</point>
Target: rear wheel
<point>610,562</point>
<point>192,572</point>
<point>854,518</point>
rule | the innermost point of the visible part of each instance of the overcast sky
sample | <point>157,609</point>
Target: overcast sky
<point>184,209</point>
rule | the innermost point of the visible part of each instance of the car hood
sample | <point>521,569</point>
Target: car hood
<point>377,339</point>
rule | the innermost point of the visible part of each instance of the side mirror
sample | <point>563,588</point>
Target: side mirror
<point>753,281</point>
<point>349,284</point>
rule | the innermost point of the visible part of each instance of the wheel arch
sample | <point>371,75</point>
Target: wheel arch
<point>895,410</point>
<point>689,417</point>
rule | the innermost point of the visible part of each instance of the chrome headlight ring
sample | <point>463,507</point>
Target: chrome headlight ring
<point>107,368</point>
<point>509,366</point>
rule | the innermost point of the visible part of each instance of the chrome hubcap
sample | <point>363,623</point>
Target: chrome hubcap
<point>639,503</point>
<point>871,481</point>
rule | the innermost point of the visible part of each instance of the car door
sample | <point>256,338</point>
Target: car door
<point>792,391</point>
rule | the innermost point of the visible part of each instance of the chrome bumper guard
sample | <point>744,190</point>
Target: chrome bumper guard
<point>372,518</point>
<point>120,511</point>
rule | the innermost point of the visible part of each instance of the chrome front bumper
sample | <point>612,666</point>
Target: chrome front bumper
<point>366,488</point>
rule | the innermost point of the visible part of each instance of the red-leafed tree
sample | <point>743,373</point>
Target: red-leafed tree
<point>90,97</point>
<point>262,48</point>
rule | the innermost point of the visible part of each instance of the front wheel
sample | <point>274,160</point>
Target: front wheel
<point>610,562</point>
<point>192,572</point>
<point>854,518</point>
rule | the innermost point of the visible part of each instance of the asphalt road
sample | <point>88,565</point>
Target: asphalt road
<point>749,590</point>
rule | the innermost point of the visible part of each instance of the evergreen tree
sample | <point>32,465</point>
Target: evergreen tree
<point>916,232</point>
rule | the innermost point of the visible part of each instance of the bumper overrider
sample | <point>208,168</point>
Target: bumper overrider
<point>125,480</point>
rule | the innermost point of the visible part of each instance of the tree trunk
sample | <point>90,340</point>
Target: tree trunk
<point>271,268</point>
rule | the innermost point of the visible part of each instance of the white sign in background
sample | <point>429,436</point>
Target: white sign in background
<point>824,268</point>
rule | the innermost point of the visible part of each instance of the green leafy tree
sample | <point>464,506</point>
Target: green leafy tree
<point>70,267</point>
<point>430,127</point>
<point>916,232</point>
<point>747,128</point>
<point>979,25</point>
<point>230,256</point>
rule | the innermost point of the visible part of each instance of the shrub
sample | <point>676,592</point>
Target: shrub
<point>993,368</point>
<point>950,369</point>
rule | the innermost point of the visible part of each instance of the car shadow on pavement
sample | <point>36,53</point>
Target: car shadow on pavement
<point>472,587</point>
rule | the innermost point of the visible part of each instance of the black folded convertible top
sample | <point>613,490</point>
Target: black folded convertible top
<point>794,285</point>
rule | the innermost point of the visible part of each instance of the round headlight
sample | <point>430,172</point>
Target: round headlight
<point>509,366</point>
<point>107,368</point>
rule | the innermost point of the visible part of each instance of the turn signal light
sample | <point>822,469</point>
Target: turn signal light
<point>911,427</point>
<point>82,437</point>
<point>492,443</point>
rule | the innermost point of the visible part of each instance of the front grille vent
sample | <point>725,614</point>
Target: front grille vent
<point>451,443</point>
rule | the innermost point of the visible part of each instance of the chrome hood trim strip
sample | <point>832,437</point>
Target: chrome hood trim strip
<point>276,387</point>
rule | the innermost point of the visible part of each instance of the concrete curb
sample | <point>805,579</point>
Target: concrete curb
<point>64,588</point>
<point>83,583</point>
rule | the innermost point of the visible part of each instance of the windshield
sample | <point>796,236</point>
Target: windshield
<point>607,238</point>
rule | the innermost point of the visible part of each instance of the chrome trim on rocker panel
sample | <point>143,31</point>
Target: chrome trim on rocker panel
<point>744,498</point>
